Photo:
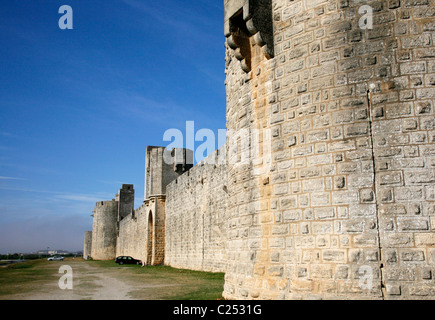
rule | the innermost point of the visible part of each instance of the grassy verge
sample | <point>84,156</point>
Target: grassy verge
<point>169,283</point>
<point>25,276</point>
<point>145,283</point>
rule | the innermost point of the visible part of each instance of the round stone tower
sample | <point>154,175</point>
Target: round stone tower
<point>331,154</point>
<point>104,230</point>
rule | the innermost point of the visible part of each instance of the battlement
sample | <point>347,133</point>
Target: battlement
<point>162,166</point>
<point>127,187</point>
<point>106,203</point>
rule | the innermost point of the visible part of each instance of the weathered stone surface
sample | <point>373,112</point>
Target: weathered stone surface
<point>345,182</point>
<point>329,136</point>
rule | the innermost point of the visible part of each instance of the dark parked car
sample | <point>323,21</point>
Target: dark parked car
<point>127,260</point>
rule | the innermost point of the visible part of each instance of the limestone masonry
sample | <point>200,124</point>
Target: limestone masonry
<point>326,185</point>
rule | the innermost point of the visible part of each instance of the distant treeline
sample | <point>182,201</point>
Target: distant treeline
<point>30,256</point>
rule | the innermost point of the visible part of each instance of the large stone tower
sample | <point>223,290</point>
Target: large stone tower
<point>105,225</point>
<point>104,230</point>
<point>331,154</point>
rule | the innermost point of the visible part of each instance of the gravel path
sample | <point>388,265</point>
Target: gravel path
<point>106,281</point>
<point>89,283</point>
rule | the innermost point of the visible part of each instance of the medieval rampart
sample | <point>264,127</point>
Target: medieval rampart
<point>327,188</point>
<point>196,217</point>
<point>345,207</point>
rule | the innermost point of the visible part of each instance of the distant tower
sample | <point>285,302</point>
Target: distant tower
<point>163,166</point>
<point>106,217</point>
<point>125,199</point>
<point>104,230</point>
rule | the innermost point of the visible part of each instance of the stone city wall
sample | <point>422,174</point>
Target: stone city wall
<point>326,189</point>
<point>141,234</point>
<point>196,217</point>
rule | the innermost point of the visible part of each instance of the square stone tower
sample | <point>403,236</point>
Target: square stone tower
<point>162,166</point>
<point>125,198</point>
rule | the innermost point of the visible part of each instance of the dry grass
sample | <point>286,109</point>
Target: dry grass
<point>166,283</point>
<point>38,279</point>
<point>25,277</point>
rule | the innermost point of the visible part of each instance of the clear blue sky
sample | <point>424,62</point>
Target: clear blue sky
<point>78,107</point>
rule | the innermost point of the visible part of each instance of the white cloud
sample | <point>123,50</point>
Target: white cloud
<point>11,178</point>
<point>64,195</point>
<point>80,197</point>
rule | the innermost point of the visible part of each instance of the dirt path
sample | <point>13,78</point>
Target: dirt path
<point>104,280</point>
<point>89,283</point>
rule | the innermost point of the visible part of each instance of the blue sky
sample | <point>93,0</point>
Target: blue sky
<point>78,107</point>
